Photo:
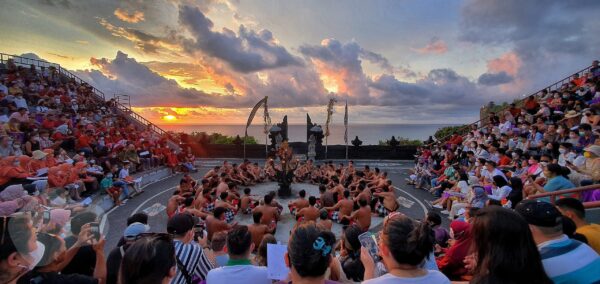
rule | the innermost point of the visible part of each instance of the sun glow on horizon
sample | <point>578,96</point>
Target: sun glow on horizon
<point>169,118</point>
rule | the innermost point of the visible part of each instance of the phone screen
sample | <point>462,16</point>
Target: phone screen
<point>95,230</point>
<point>46,217</point>
<point>369,241</point>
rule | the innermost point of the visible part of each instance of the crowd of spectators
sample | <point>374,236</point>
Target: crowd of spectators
<point>69,144</point>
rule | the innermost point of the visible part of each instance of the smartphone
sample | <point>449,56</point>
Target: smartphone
<point>95,230</point>
<point>46,217</point>
<point>369,241</point>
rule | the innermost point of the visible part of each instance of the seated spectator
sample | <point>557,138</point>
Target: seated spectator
<point>217,253</point>
<point>85,259</point>
<point>260,259</point>
<point>239,268</point>
<point>56,256</point>
<point>441,234</point>
<point>555,181</point>
<point>113,262</point>
<point>20,251</point>
<point>565,260</point>
<point>573,209</point>
<point>192,262</point>
<point>496,233</point>
<point>349,258</point>
<point>150,259</point>
<point>452,262</point>
<point>403,245</point>
<point>309,254</point>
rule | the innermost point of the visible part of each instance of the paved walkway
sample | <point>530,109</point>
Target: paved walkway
<point>157,194</point>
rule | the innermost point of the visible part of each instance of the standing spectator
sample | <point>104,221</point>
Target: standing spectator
<point>85,259</point>
<point>191,261</point>
<point>239,269</point>
<point>565,260</point>
<point>574,209</point>
<point>497,233</point>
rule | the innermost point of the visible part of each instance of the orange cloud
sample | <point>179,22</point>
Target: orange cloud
<point>508,62</point>
<point>134,17</point>
<point>435,46</point>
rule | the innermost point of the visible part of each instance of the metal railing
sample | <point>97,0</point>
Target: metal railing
<point>99,95</point>
<point>573,191</point>
<point>555,86</point>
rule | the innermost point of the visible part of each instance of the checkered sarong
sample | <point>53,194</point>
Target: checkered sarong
<point>229,215</point>
<point>209,207</point>
<point>381,210</point>
<point>335,216</point>
<point>247,210</point>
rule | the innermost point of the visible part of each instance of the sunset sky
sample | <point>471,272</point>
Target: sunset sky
<point>396,61</point>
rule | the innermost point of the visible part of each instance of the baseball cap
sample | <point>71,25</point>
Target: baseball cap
<point>134,230</point>
<point>539,213</point>
<point>180,224</point>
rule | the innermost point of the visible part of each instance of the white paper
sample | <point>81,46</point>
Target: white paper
<point>154,209</point>
<point>87,201</point>
<point>276,268</point>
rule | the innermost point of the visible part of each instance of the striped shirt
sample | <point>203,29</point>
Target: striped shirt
<point>570,261</point>
<point>193,258</point>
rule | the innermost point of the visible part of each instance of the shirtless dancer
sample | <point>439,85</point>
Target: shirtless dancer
<point>387,202</point>
<point>342,210</point>
<point>216,223</point>
<point>362,216</point>
<point>270,214</point>
<point>299,203</point>
<point>247,203</point>
<point>310,213</point>
<point>258,230</point>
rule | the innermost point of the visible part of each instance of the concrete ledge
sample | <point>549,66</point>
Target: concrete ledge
<point>104,203</point>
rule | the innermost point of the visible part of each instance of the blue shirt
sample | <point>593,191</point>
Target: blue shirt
<point>557,183</point>
<point>570,261</point>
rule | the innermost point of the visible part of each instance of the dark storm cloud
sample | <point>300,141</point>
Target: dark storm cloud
<point>493,79</point>
<point>245,52</point>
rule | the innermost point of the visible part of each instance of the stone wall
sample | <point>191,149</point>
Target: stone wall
<point>300,148</point>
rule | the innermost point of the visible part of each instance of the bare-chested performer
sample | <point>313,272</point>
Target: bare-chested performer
<point>310,213</point>
<point>270,214</point>
<point>324,222</point>
<point>223,202</point>
<point>298,203</point>
<point>362,216</point>
<point>387,202</point>
<point>247,203</point>
<point>343,209</point>
<point>258,230</point>
<point>216,222</point>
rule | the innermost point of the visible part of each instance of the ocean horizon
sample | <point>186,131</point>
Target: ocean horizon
<point>370,134</point>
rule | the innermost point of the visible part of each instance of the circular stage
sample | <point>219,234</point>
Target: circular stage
<point>287,222</point>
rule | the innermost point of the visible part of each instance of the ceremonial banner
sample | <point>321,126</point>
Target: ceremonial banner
<point>253,113</point>
<point>329,113</point>
<point>346,123</point>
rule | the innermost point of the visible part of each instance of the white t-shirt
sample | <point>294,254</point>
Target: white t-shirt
<point>432,277</point>
<point>238,274</point>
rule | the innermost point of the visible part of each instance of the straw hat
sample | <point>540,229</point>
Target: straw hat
<point>571,114</point>
<point>38,154</point>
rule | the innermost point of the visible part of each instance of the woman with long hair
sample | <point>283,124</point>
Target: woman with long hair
<point>504,250</point>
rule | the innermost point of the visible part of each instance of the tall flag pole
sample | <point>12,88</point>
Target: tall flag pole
<point>329,113</point>
<point>346,128</point>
